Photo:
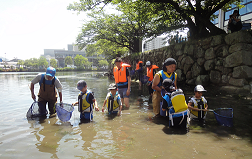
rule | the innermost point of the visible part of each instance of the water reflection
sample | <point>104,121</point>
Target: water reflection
<point>47,134</point>
<point>134,134</point>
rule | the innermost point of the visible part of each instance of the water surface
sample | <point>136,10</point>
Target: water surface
<point>135,134</point>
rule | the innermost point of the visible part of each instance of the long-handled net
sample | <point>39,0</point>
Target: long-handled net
<point>224,116</point>
<point>33,111</point>
<point>64,111</point>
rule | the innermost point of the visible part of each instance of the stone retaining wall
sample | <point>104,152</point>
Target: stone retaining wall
<point>223,60</point>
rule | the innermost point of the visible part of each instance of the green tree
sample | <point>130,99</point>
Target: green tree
<point>168,14</point>
<point>32,62</point>
<point>68,60</point>
<point>103,62</point>
<point>53,63</point>
<point>20,63</point>
<point>81,61</point>
<point>42,62</point>
<point>126,30</point>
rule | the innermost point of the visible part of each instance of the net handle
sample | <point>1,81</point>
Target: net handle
<point>209,110</point>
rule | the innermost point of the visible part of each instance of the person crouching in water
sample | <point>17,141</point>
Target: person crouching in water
<point>198,104</point>
<point>113,101</point>
<point>174,104</point>
<point>47,92</point>
<point>86,101</point>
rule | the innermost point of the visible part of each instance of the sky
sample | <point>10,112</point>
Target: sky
<point>27,27</point>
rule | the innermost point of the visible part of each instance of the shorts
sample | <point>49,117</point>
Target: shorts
<point>86,116</point>
<point>122,92</point>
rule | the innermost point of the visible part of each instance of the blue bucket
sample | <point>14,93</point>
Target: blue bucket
<point>64,111</point>
<point>224,116</point>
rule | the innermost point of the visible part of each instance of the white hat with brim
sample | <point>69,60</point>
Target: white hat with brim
<point>199,88</point>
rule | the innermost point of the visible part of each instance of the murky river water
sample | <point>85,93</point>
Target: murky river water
<point>135,134</point>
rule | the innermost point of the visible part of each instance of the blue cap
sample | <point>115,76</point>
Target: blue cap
<point>50,71</point>
<point>81,84</point>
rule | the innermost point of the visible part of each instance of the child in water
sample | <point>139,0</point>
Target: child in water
<point>86,101</point>
<point>113,101</point>
<point>174,105</point>
<point>198,104</point>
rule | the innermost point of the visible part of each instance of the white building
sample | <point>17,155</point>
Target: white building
<point>156,43</point>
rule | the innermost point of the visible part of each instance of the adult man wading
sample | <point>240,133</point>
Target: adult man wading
<point>122,80</point>
<point>47,91</point>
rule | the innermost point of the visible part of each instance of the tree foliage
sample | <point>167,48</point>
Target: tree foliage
<point>32,62</point>
<point>81,61</point>
<point>42,62</point>
<point>154,17</point>
<point>68,60</point>
<point>103,62</point>
<point>53,63</point>
<point>138,19</point>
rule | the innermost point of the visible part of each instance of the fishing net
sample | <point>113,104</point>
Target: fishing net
<point>144,79</point>
<point>224,116</point>
<point>64,111</point>
<point>34,110</point>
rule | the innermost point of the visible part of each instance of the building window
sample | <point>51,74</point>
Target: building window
<point>215,21</point>
<point>249,7</point>
<point>245,10</point>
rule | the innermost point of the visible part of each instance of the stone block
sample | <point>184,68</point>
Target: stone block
<point>225,79</point>
<point>202,80</point>
<point>217,40</point>
<point>215,77</point>
<point>209,64</point>
<point>237,82</point>
<point>238,37</point>
<point>179,46</point>
<point>200,52</point>
<point>180,75</point>
<point>242,72</point>
<point>240,46</point>
<point>222,51</point>
<point>190,81</point>
<point>234,90</point>
<point>209,54</point>
<point>187,67</point>
<point>189,75</point>
<point>201,61</point>
<point>239,58</point>
<point>196,70</point>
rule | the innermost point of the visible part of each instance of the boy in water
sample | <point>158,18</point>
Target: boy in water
<point>113,101</point>
<point>198,104</point>
<point>86,101</point>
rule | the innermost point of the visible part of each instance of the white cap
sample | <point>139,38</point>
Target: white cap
<point>199,88</point>
<point>148,63</point>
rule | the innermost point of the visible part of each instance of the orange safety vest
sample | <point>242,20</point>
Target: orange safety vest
<point>120,75</point>
<point>137,65</point>
<point>150,71</point>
